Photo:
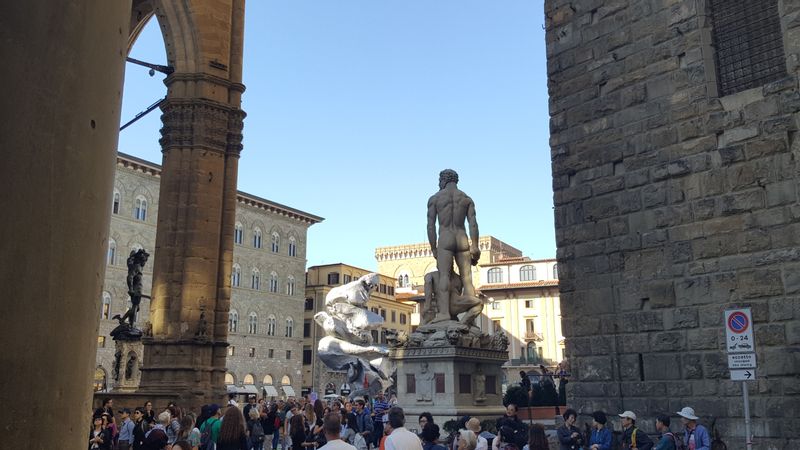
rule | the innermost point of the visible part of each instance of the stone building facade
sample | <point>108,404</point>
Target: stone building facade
<point>320,280</point>
<point>675,175</point>
<point>267,282</point>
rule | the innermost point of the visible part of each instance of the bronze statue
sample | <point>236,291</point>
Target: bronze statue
<point>453,294</point>
<point>136,262</point>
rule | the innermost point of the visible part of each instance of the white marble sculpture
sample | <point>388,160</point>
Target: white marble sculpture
<point>348,343</point>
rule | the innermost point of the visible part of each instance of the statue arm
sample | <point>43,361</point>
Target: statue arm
<point>474,234</point>
<point>432,225</point>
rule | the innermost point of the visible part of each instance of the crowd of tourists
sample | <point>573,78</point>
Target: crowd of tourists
<point>361,424</point>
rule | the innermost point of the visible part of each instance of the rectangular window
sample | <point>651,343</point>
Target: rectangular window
<point>383,314</point>
<point>391,290</point>
<point>402,319</point>
<point>333,278</point>
<point>411,384</point>
<point>530,326</point>
<point>529,304</point>
<point>496,326</point>
<point>101,341</point>
<point>496,305</point>
<point>394,316</point>
<point>464,383</point>
<point>309,304</point>
<point>347,279</point>
<point>252,352</point>
<point>383,288</point>
<point>748,44</point>
<point>306,356</point>
<point>288,354</point>
<point>231,350</point>
<point>271,353</point>
<point>438,379</point>
<point>306,328</point>
<point>491,384</point>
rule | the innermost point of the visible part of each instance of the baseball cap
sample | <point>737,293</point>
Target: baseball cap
<point>629,415</point>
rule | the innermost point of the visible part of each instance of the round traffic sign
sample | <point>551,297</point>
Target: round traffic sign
<point>738,322</point>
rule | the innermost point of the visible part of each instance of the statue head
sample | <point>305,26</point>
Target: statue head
<point>453,335</point>
<point>447,176</point>
<point>370,281</point>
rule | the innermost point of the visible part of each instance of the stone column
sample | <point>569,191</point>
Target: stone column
<point>58,131</point>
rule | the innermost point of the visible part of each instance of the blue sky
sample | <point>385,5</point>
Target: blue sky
<point>353,108</point>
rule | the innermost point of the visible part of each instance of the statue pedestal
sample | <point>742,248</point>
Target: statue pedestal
<point>449,381</point>
<point>127,361</point>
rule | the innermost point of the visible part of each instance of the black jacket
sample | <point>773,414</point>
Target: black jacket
<point>643,441</point>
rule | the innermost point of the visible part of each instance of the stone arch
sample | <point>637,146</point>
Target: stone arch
<point>176,22</point>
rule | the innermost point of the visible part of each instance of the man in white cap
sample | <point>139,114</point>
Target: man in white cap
<point>632,438</point>
<point>695,436</point>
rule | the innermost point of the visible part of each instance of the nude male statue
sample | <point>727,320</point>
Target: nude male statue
<point>452,207</point>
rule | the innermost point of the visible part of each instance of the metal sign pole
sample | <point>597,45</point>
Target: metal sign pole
<point>748,436</point>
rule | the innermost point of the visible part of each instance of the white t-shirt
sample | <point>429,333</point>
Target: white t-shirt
<point>402,439</point>
<point>337,444</point>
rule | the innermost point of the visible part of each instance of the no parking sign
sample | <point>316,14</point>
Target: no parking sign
<point>739,331</point>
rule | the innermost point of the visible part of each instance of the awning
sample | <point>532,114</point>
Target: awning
<point>270,390</point>
<point>240,390</point>
<point>289,391</point>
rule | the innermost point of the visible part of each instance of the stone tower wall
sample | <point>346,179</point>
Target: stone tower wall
<point>673,203</point>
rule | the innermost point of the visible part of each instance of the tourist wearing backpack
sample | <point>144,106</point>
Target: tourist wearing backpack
<point>209,431</point>
<point>632,438</point>
<point>255,430</point>
<point>668,440</point>
<point>696,436</point>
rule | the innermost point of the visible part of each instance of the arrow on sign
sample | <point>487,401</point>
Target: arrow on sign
<point>748,374</point>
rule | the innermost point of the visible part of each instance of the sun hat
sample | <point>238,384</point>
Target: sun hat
<point>687,413</point>
<point>629,415</point>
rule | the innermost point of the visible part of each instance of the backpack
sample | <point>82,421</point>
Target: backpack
<point>679,445</point>
<point>155,439</point>
<point>256,431</point>
<point>206,443</point>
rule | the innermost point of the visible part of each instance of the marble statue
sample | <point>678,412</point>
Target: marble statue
<point>348,344</point>
<point>451,207</point>
<point>423,382</point>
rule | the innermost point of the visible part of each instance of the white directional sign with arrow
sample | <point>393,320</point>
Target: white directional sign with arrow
<point>743,374</point>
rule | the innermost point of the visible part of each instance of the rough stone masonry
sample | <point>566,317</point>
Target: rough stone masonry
<point>674,153</point>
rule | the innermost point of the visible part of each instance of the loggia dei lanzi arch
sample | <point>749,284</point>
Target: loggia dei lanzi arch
<point>60,130</point>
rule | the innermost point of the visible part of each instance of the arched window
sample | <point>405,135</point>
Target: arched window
<point>140,208</point>
<point>116,202</point>
<point>105,307</point>
<point>286,381</point>
<point>238,233</point>
<point>257,237</point>
<point>268,379</point>
<point>249,379</point>
<point>271,322</point>
<point>290,285</point>
<point>273,282</point>
<point>99,379</point>
<point>111,259</point>
<point>292,246</point>
<point>495,275</point>
<point>236,275</point>
<point>555,271</point>
<point>276,242</point>
<point>252,323</point>
<point>289,327</point>
<point>233,321</point>
<point>229,378</point>
<point>527,273</point>
<point>255,279</point>
<point>402,280</point>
